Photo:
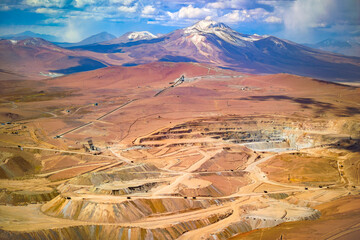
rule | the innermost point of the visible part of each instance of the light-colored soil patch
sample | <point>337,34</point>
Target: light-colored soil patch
<point>340,219</point>
<point>36,184</point>
<point>300,168</point>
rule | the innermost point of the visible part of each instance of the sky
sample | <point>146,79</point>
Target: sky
<point>302,21</point>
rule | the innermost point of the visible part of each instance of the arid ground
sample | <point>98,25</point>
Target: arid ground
<point>179,151</point>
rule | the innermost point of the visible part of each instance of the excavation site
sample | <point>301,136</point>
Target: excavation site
<point>179,151</point>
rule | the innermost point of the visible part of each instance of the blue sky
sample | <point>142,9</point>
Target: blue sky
<point>72,20</point>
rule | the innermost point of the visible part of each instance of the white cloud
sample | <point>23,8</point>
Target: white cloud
<point>225,4</point>
<point>148,10</point>
<point>220,5</point>
<point>273,19</point>
<point>304,15</point>
<point>128,9</point>
<point>258,13</point>
<point>244,15</point>
<point>77,3</point>
<point>82,3</point>
<point>153,22</point>
<point>123,2</point>
<point>45,3</point>
<point>319,25</point>
<point>234,16</point>
<point>277,3</point>
<point>191,12</point>
<point>47,11</point>
<point>103,10</point>
<point>55,21</point>
<point>72,33</point>
<point>92,13</point>
<point>300,19</point>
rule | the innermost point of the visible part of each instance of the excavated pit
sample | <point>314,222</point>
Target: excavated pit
<point>260,133</point>
<point>195,167</point>
<point>121,210</point>
<point>23,192</point>
<point>127,173</point>
<point>16,163</point>
<point>172,231</point>
<point>198,187</point>
<point>123,195</point>
<point>19,198</point>
<point>258,219</point>
<point>126,188</point>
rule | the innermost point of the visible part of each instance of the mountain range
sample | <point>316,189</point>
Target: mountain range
<point>29,34</point>
<point>207,42</point>
<point>36,58</point>
<point>131,37</point>
<point>97,38</point>
<point>350,47</point>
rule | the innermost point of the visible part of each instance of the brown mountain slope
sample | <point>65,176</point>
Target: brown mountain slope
<point>36,58</point>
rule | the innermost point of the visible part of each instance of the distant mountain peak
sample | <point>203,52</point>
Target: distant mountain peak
<point>104,33</point>
<point>30,42</point>
<point>100,37</point>
<point>131,37</point>
<point>330,42</point>
<point>93,39</point>
<point>350,47</point>
<point>29,34</point>
<point>208,26</point>
<point>34,41</point>
<point>143,35</point>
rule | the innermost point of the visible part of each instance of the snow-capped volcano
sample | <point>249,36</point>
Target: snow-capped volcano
<point>144,35</point>
<point>215,43</point>
<point>222,31</point>
<point>131,37</point>
<point>207,26</point>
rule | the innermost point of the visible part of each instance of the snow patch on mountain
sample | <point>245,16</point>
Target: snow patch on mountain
<point>13,42</point>
<point>200,44</point>
<point>37,42</point>
<point>144,35</point>
<point>279,43</point>
<point>207,26</point>
<point>222,31</point>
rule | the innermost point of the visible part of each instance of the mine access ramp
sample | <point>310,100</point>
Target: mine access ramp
<point>178,81</point>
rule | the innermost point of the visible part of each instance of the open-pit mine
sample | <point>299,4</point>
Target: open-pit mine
<point>179,151</point>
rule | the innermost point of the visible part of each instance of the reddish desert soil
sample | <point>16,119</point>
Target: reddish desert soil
<point>140,145</point>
